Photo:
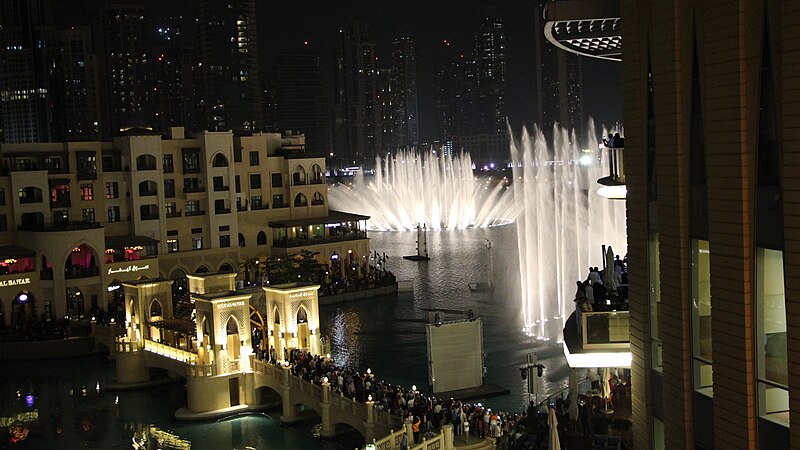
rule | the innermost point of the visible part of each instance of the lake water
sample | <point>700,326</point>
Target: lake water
<point>63,403</point>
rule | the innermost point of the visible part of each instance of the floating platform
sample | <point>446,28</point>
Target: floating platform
<point>476,392</point>
<point>416,258</point>
<point>480,287</point>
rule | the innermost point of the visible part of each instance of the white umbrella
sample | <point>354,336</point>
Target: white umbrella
<point>609,281</point>
<point>605,386</point>
<point>553,443</point>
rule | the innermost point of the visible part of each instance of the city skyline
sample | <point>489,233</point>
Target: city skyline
<point>434,38</point>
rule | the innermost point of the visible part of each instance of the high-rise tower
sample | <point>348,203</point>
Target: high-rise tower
<point>300,97</point>
<point>127,65</point>
<point>357,126</point>
<point>229,56</point>
<point>559,76</point>
<point>490,61</point>
<point>401,127</point>
<point>24,94</point>
<point>74,85</point>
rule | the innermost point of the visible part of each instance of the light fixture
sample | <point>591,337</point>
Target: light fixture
<point>369,398</point>
<point>614,184</point>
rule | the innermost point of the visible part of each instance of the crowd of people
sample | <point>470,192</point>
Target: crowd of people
<point>426,414</point>
<point>357,280</point>
<point>600,293</point>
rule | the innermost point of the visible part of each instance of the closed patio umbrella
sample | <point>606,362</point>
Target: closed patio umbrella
<point>553,442</point>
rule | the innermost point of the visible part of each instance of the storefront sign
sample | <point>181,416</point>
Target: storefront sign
<point>15,282</point>
<point>231,304</point>
<point>131,268</point>
<point>301,294</point>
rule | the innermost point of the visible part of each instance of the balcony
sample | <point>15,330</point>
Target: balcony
<point>255,207</point>
<point>193,189</point>
<point>187,170</point>
<point>222,211</point>
<point>87,175</point>
<point>172,214</point>
<point>61,203</point>
<point>147,193</point>
<point>32,199</point>
<point>81,272</point>
<point>314,240</point>
<point>146,167</point>
<point>195,213</point>
<point>597,339</point>
<point>317,202</point>
<point>67,226</point>
<point>241,208</point>
<point>150,217</point>
<point>317,181</point>
<point>221,188</point>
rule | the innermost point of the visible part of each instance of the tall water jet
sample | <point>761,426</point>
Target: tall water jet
<point>562,224</point>
<point>413,188</point>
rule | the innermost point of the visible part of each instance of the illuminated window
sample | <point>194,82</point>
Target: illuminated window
<point>87,192</point>
<point>771,354</point>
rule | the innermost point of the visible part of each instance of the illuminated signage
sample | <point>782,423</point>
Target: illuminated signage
<point>131,268</point>
<point>231,304</point>
<point>301,294</point>
<point>15,282</point>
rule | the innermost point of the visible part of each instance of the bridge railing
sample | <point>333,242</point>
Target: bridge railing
<point>390,420</point>
<point>391,441</point>
<point>107,331</point>
<point>124,345</point>
<point>177,354</point>
<point>355,408</point>
<point>200,370</point>
<point>435,443</point>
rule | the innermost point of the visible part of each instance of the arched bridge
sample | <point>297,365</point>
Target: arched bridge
<point>332,407</point>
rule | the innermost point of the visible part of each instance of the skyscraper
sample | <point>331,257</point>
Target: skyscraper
<point>229,56</point>
<point>173,81</point>
<point>24,95</point>
<point>490,61</point>
<point>74,85</point>
<point>357,126</point>
<point>559,76</point>
<point>300,97</point>
<point>127,65</point>
<point>401,125</point>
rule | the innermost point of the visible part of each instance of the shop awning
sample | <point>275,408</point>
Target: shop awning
<point>15,252</point>
<point>128,241</point>
<point>332,217</point>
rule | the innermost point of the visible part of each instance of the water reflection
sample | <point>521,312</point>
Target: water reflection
<point>63,404</point>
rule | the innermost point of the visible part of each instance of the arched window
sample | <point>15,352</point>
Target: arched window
<point>30,194</point>
<point>148,188</point>
<point>202,269</point>
<point>261,239</point>
<point>145,162</point>
<point>317,177</point>
<point>318,199</point>
<point>226,268</point>
<point>298,176</point>
<point>241,240</point>
<point>302,315</point>
<point>300,200</point>
<point>232,327</point>
<point>220,160</point>
<point>155,309</point>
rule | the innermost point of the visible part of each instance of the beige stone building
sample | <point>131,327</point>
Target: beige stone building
<point>78,219</point>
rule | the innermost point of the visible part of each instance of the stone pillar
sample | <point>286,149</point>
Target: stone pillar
<point>369,424</point>
<point>289,412</point>
<point>130,363</point>
<point>447,431</point>
<point>574,392</point>
<point>328,430</point>
<point>410,433</point>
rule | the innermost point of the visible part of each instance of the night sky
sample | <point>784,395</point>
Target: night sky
<point>286,25</point>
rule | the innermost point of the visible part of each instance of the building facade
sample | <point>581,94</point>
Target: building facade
<point>711,100</point>
<point>24,98</point>
<point>78,219</point>
<point>401,117</point>
<point>228,44</point>
<point>127,63</point>
<point>357,112</point>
